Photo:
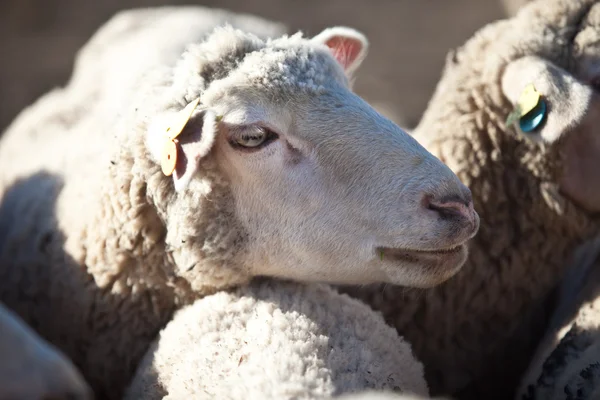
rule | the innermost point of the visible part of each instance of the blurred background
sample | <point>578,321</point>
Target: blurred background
<point>409,41</point>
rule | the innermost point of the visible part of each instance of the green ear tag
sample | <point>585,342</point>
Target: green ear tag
<point>529,111</point>
<point>534,118</point>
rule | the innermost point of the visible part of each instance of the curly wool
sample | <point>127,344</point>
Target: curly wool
<point>475,333</point>
<point>566,364</point>
<point>276,340</point>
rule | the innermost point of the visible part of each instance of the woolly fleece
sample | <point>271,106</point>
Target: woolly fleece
<point>476,333</point>
<point>566,364</point>
<point>276,340</point>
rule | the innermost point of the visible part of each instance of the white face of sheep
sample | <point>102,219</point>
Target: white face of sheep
<point>325,187</point>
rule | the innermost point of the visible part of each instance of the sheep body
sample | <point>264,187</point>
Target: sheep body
<point>276,340</point>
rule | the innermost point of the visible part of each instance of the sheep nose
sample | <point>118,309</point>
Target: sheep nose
<point>454,208</point>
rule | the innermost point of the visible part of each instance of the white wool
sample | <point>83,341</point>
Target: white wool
<point>276,340</point>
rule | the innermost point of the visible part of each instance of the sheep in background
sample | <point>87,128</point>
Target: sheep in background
<point>536,193</point>
<point>30,368</point>
<point>566,364</point>
<point>301,179</point>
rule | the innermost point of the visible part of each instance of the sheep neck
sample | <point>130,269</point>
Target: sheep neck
<point>129,253</point>
<point>155,245</point>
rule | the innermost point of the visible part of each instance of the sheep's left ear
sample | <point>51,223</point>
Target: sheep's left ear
<point>189,147</point>
<point>349,46</point>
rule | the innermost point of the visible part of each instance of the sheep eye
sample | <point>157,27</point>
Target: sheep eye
<point>253,139</point>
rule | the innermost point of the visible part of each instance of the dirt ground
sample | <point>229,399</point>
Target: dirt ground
<point>409,41</point>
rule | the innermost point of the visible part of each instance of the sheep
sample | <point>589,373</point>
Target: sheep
<point>281,171</point>
<point>566,362</point>
<point>279,340</point>
<point>31,368</point>
<point>536,193</point>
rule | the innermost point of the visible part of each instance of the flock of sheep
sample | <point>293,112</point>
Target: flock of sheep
<point>207,210</point>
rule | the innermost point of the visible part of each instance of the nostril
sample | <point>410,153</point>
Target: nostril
<point>426,201</point>
<point>446,208</point>
<point>452,207</point>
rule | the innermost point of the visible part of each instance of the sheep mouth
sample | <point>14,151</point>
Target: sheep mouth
<point>412,255</point>
<point>423,268</point>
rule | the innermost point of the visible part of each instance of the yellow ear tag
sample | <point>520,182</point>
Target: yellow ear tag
<point>169,157</point>
<point>528,100</point>
<point>181,119</point>
<point>174,129</point>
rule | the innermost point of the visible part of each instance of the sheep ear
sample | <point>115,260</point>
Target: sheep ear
<point>349,46</point>
<point>194,142</point>
<point>572,116</point>
<point>567,100</point>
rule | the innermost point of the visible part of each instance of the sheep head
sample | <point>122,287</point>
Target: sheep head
<point>570,127</point>
<point>571,93</point>
<point>298,177</point>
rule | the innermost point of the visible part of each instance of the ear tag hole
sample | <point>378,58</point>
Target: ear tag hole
<point>169,157</point>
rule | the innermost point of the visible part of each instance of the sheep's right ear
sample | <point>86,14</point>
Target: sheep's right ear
<point>349,46</point>
<point>567,99</point>
<point>194,142</point>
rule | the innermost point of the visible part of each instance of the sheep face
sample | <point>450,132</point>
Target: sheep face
<point>323,186</point>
